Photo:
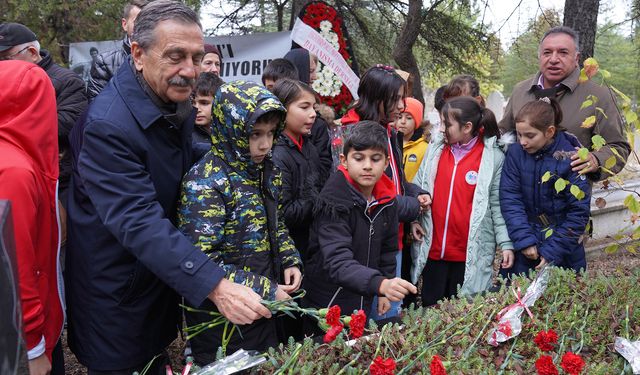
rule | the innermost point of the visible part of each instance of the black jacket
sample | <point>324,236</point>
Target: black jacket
<point>320,138</point>
<point>105,67</point>
<point>302,181</point>
<point>408,205</point>
<point>351,248</point>
<point>71,101</point>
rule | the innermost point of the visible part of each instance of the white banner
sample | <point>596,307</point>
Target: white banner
<point>311,40</point>
<point>243,56</point>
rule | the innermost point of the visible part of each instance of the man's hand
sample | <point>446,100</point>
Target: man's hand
<point>40,365</point>
<point>590,164</point>
<point>531,252</point>
<point>417,233</point>
<point>395,289</point>
<point>507,258</point>
<point>425,202</point>
<point>292,280</point>
<point>383,305</point>
<point>238,303</point>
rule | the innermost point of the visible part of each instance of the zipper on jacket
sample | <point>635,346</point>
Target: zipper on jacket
<point>371,233</point>
<point>446,217</point>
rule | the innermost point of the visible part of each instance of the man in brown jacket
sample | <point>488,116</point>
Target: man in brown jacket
<point>558,78</point>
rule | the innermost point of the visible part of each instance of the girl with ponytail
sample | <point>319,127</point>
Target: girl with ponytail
<point>546,226</point>
<point>455,242</point>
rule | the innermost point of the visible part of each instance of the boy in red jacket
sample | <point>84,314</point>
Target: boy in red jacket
<point>28,179</point>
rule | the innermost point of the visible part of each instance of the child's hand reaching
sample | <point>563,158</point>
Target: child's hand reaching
<point>395,289</point>
<point>543,262</point>
<point>531,252</point>
<point>383,305</point>
<point>417,232</point>
<point>292,280</point>
<point>507,258</point>
<point>425,202</point>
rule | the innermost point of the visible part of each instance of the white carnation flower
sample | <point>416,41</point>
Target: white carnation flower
<point>326,26</point>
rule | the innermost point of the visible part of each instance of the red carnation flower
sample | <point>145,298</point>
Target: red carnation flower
<point>546,339</point>
<point>573,364</point>
<point>332,333</point>
<point>333,316</point>
<point>356,326</point>
<point>545,366</point>
<point>381,366</point>
<point>436,367</point>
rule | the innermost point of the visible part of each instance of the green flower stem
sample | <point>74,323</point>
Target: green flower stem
<point>473,344</point>
<point>440,340</point>
<point>554,306</point>
<point>507,359</point>
<point>288,365</point>
<point>581,329</point>
<point>351,363</point>
<point>626,325</point>
<point>382,332</point>
<point>148,366</point>
<point>564,336</point>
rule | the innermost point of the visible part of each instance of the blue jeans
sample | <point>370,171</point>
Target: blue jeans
<point>395,306</point>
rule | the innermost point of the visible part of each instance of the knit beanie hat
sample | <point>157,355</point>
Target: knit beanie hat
<point>415,109</point>
<point>210,48</point>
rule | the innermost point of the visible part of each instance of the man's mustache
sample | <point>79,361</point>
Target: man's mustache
<point>182,82</point>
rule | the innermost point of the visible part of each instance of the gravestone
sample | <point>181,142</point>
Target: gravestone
<point>496,103</point>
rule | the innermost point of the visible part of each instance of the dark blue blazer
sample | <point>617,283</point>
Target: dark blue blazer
<point>528,204</point>
<point>126,263</point>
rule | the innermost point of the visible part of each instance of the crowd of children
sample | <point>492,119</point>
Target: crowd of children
<point>406,201</point>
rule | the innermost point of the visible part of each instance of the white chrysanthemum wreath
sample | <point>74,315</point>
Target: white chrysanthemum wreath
<point>328,83</point>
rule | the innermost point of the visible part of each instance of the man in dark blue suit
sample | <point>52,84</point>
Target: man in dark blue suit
<point>127,264</point>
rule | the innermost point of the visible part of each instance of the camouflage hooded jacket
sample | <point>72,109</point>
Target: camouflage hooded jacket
<point>229,204</point>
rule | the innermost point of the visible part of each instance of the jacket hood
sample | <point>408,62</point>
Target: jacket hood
<point>417,137</point>
<point>236,107</point>
<point>46,61</point>
<point>28,120</point>
<point>506,140</point>
<point>299,57</point>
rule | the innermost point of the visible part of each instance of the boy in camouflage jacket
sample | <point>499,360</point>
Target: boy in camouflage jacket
<point>229,207</point>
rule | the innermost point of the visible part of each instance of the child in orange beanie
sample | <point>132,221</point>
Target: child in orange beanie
<point>415,144</point>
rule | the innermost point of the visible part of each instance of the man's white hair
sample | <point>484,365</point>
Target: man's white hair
<point>35,45</point>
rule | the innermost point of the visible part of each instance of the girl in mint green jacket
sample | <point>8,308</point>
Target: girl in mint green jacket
<point>465,124</point>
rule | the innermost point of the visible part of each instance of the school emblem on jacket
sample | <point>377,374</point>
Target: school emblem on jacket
<point>412,158</point>
<point>471,177</point>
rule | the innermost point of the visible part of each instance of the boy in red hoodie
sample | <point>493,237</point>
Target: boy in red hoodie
<point>353,239</point>
<point>28,179</point>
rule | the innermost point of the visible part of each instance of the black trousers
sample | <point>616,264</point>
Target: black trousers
<point>57,359</point>
<point>440,279</point>
<point>259,335</point>
<point>157,367</point>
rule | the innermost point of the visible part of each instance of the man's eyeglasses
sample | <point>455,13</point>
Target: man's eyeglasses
<point>8,57</point>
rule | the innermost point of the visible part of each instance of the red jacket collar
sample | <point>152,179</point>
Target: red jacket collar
<point>383,191</point>
<point>299,142</point>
